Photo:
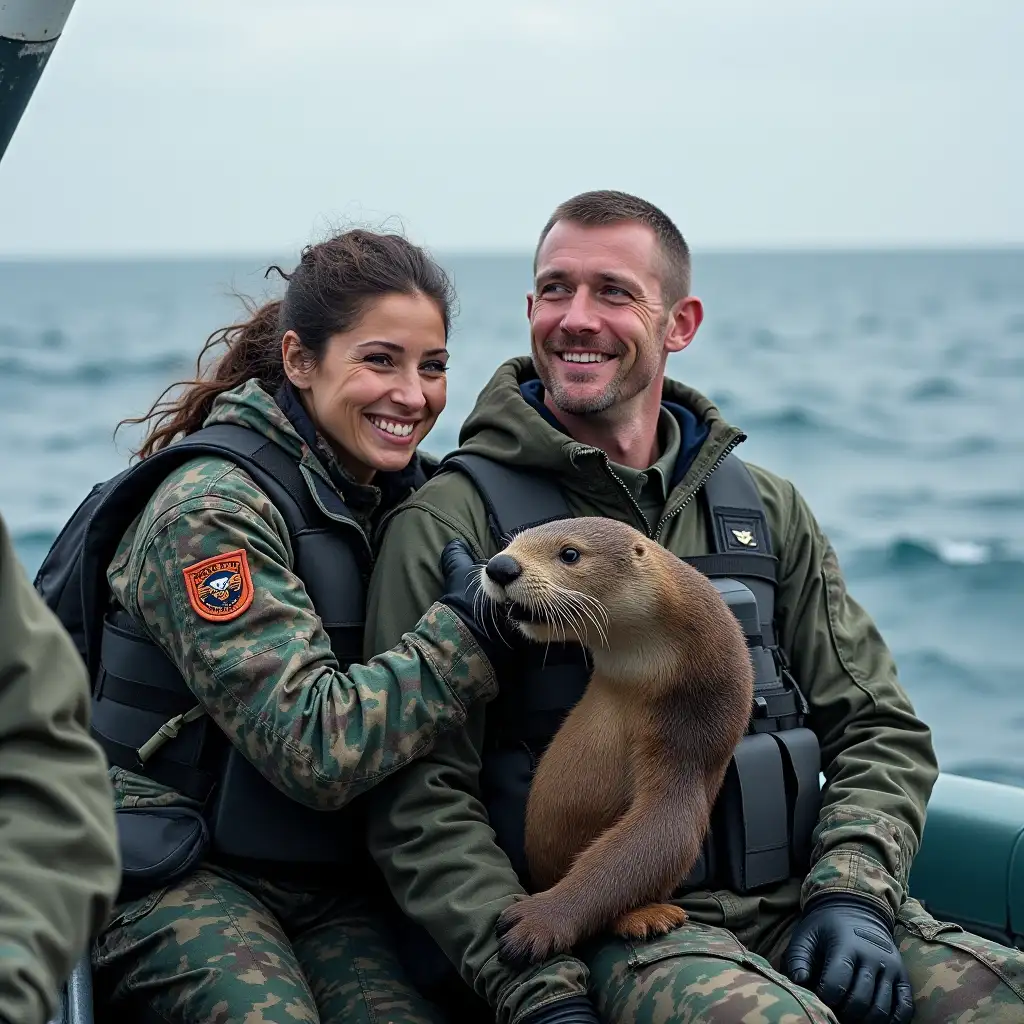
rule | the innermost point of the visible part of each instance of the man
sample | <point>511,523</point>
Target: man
<point>59,863</point>
<point>835,938</point>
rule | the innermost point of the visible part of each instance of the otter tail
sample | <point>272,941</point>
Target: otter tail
<point>613,882</point>
<point>641,858</point>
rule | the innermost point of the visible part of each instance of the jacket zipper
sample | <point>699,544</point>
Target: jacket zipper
<point>344,520</point>
<point>654,536</point>
<point>622,484</point>
<point>721,458</point>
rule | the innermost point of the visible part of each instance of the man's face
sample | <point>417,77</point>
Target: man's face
<point>597,320</point>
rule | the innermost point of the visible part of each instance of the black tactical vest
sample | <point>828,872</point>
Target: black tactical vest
<point>139,697</point>
<point>762,821</point>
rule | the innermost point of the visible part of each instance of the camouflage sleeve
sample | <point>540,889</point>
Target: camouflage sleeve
<point>59,862</point>
<point>265,672</point>
<point>428,829</point>
<point>877,756</point>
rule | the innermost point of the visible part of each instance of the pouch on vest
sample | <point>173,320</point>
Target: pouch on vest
<point>769,800</point>
<point>158,846</point>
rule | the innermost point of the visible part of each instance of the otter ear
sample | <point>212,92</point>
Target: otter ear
<point>639,549</point>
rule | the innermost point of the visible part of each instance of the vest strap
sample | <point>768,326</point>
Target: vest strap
<point>138,695</point>
<point>346,641</point>
<point>763,567</point>
<point>168,731</point>
<point>192,782</point>
<point>525,499</point>
<point>299,510</point>
<point>737,515</point>
<point>137,673</point>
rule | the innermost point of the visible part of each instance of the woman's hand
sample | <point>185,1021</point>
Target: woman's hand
<point>462,594</point>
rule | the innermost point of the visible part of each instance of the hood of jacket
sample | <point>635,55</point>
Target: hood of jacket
<point>511,424</point>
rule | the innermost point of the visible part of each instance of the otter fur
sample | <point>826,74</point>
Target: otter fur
<point>621,799</point>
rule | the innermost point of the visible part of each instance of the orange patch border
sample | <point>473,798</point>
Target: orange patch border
<point>193,592</point>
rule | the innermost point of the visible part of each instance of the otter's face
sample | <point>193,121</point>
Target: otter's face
<point>560,581</point>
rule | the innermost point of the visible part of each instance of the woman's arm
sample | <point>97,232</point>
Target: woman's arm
<point>267,675</point>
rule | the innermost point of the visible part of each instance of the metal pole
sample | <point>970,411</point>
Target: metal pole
<point>29,30</point>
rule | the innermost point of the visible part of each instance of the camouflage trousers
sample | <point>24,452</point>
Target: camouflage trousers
<point>224,947</point>
<point>708,973</point>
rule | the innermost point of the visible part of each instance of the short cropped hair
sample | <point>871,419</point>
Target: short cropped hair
<point>597,209</point>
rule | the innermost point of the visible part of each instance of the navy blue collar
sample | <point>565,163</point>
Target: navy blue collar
<point>692,431</point>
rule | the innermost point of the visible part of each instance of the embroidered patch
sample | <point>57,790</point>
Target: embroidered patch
<point>740,530</point>
<point>220,588</point>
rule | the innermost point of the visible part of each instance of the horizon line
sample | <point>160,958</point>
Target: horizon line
<point>777,249</point>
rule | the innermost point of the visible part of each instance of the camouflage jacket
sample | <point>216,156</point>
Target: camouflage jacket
<point>59,862</point>
<point>877,756</point>
<point>263,669</point>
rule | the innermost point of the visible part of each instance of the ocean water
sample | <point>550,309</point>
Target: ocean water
<point>888,387</point>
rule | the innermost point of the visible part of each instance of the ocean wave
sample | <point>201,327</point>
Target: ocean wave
<point>934,388</point>
<point>90,372</point>
<point>894,501</point>
<point>1002,366</point>
<point>34,538</point>
<point>997,502</point>
<point>908,552</point>
<point>801,421</point>
<point>724,400</point>
<point>73,441</point>
<point>934,665</point>
<point>954,552</point>
<point>791,419</point>
<point>971,564</point>
<point>971,444</point>
<point>868,323</point>
<point>31,547</point>
<point>49,339</point>
<point>764,337</point>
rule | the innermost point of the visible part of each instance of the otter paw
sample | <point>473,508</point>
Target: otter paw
<point>531,930</point>
<point>650,921</point>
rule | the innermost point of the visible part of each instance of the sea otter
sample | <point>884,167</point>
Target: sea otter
<point>621,799</point>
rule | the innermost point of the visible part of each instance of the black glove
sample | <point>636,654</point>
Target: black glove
<point>842,950</point>
<point>576,1010</point>
<point>462,594</point>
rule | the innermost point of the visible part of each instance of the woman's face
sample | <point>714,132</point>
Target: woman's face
<point>379,388</point>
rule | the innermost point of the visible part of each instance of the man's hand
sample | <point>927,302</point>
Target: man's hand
<point>843,951</point>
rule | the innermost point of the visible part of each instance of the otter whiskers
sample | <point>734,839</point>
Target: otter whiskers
<point>585,606</point>
<point>483,605</point>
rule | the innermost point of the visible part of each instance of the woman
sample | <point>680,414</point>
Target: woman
<point>250,898</point>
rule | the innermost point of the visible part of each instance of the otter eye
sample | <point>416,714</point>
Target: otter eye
<point>569,555</point>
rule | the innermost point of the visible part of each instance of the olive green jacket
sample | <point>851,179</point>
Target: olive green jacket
<point>60,867</point>
<point>428,827</point>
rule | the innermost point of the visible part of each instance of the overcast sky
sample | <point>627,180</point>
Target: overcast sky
<point>237,126</point>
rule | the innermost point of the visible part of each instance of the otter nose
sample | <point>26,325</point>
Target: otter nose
<point>504,569</point>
